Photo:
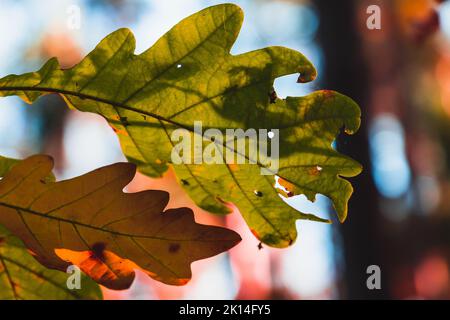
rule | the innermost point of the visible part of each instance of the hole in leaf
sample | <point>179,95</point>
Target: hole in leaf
<point>315,171</point>
<point>258,193</point>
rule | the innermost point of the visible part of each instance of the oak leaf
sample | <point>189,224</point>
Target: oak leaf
<point>189,74</point>
<point>90,222</point>
<point>23,278</point>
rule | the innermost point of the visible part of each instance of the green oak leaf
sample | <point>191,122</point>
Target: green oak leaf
<point>189,75</point>
<point>23,278</point>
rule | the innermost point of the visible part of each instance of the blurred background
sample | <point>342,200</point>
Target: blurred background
<point>399,215</point>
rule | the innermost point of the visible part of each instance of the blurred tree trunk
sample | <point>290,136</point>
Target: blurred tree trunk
<point>345,71</point>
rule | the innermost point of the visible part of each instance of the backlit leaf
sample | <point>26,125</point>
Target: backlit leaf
<point>23,278</point>
<point>189,75</point>
<point>90,222</point>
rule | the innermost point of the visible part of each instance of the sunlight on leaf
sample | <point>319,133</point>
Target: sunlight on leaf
<point>90,222</point>
<point>23,278</point>
<point>189,75</point>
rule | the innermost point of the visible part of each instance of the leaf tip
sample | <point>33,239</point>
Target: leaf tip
<point>307,74</point>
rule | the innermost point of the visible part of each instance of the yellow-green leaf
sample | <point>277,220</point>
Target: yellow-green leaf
<point>23,278</point>
<point>189,75</point>
<point>6,164</point>
<point>90,222</point>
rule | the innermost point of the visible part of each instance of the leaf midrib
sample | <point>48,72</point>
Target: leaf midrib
<point>113,103</point>
<point>117,233</point>
<point>117,104</point>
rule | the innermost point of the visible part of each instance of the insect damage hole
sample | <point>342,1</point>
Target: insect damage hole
<point>315,171</point>
<point>258,193</point>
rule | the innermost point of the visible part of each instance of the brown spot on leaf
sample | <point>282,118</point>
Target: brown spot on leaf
<point>315,171</point>
<point>273,96</point>
<point>185,182</point>
<point>98,248</point>
<point>174,247</point>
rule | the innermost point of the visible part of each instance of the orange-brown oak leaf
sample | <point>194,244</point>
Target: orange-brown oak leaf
<point>90,222</point>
